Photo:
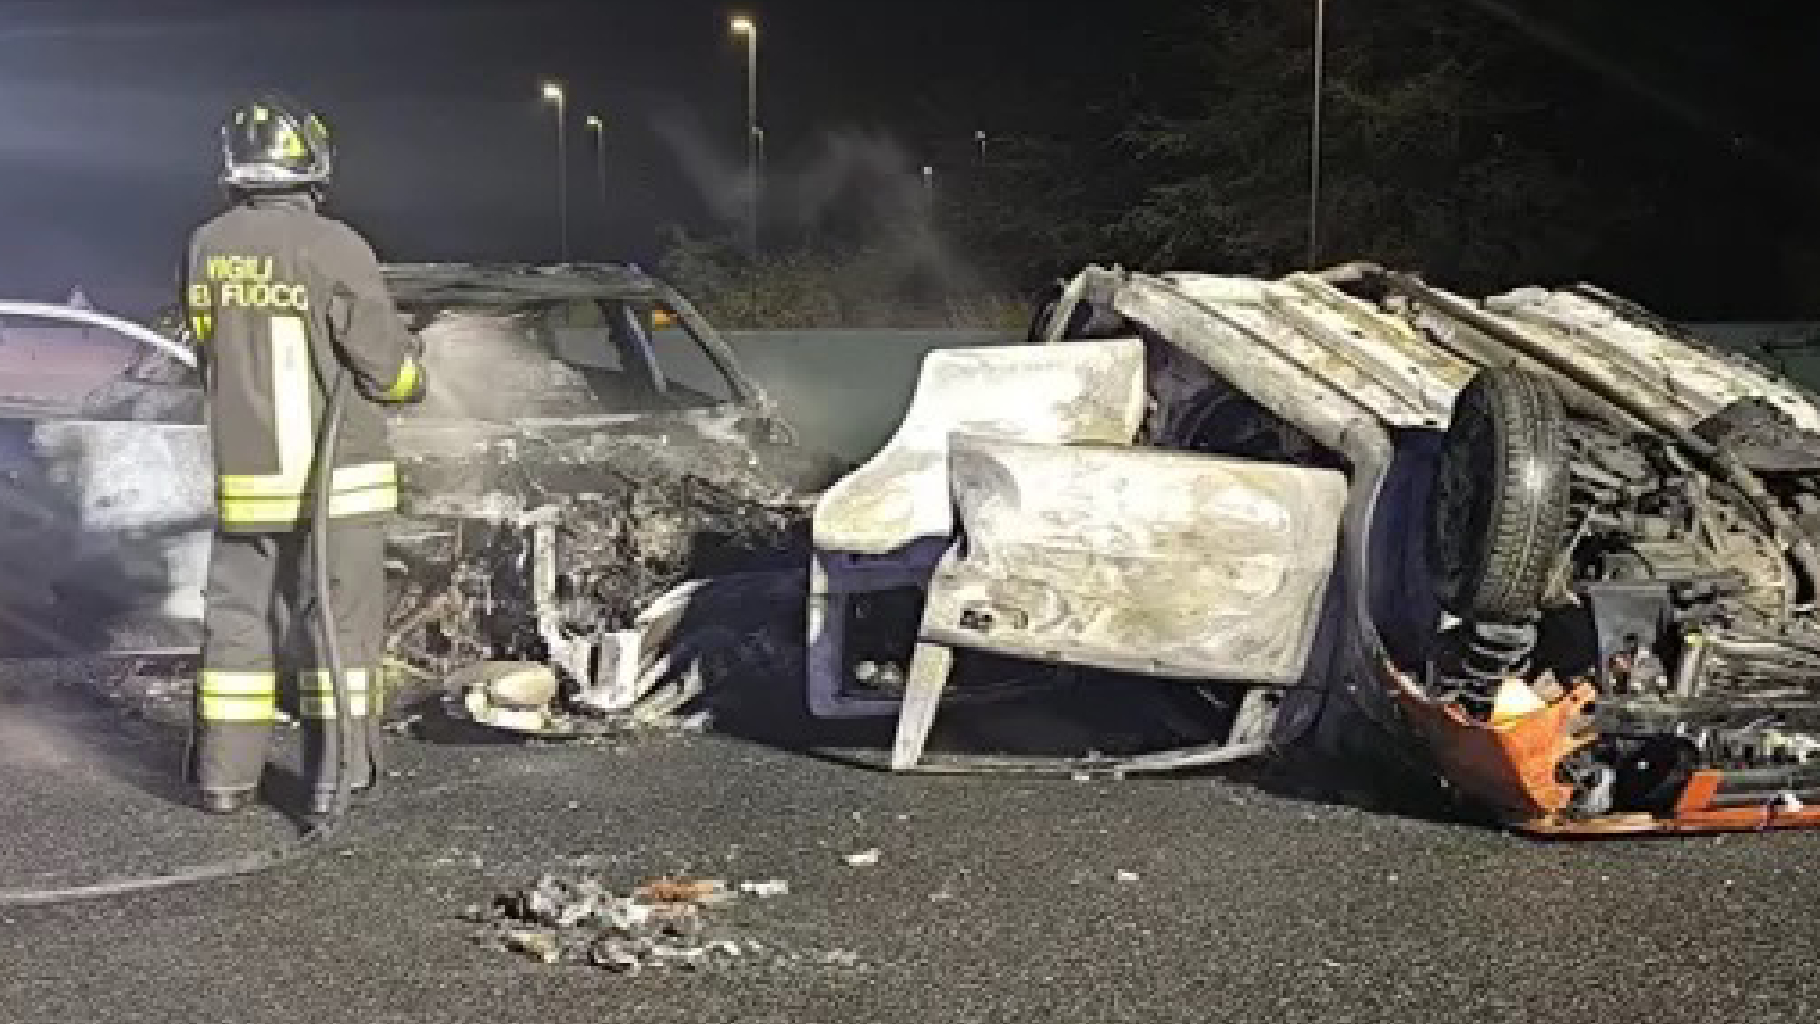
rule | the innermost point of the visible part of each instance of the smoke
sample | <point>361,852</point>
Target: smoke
<point>865,189</point>
<point>723,186</point>
<point>61,721</point>
<point>856,172</point>
<point>37,728</point>
<point>845,191</point>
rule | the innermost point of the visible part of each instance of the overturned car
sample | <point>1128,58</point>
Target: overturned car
<point>1546,545</point>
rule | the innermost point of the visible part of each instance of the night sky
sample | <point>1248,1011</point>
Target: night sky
<point>108,111</point>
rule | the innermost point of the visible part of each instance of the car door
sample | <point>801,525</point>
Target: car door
<point>1129,558</point>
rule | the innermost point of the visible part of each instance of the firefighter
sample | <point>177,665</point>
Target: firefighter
<point>281,299</point>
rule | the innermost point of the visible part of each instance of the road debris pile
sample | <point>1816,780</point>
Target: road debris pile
<point>157,690</point>
<point>663,924</point>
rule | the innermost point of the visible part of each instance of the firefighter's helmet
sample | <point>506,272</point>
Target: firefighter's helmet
<point>273,142</point>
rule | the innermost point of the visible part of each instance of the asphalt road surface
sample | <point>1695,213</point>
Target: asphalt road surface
<point>1192,899</point>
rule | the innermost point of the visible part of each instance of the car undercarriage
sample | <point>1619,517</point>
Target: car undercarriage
<point>1672,578</point>
<point>1592,610</point>
<point>1587,581</point>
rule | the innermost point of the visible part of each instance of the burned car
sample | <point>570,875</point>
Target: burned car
<point>1546,546</point>
<point>593,485</point>
<point>589,445</point>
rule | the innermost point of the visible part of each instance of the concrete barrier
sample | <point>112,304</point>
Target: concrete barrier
<point>845,390</point>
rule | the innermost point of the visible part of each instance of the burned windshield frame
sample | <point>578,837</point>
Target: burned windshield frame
<point>513,284</point>
<point>573,357</point>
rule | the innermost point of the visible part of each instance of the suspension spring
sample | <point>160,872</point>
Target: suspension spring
<point>1494,652</point>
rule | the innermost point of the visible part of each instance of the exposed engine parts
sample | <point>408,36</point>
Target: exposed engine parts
<point>1572,549</point>
<point>544,552</point>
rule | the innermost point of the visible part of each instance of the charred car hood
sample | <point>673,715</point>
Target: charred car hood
<point>447,467</point>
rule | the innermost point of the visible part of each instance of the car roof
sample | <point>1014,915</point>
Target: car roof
<point>513,284</point>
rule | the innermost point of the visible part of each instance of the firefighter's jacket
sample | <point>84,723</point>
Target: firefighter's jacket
<point>279,297</point>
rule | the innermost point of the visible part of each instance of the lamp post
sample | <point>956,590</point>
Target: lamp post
<point>552,93</point>
<point>1314,135</point>
<point>980,137</point>
<point>743,25</point>
<point>598,126</point>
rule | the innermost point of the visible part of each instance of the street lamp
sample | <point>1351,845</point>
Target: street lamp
<point>552,93</point>
<point>598,126</point>
<point>980,137</point>
<point>1314,134</point>
<point>743,25</point>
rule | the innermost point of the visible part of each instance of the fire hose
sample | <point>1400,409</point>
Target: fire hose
<point>323,829</point>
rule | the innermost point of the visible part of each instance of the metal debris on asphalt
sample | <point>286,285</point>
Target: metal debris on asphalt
<point>663,924</point>
<point>701,892</point>
<point>402,726</point>
<point>1126,876</point>
<point>864,858</point>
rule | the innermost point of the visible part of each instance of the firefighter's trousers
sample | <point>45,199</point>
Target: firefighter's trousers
<point>262,643</point>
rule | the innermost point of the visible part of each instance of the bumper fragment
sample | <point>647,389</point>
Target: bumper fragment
<point>1512,770</point>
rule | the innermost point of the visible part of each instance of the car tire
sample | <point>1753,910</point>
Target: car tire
<point>1088,320</point>
<point>1046,306</point>
<point>1498,520</point>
